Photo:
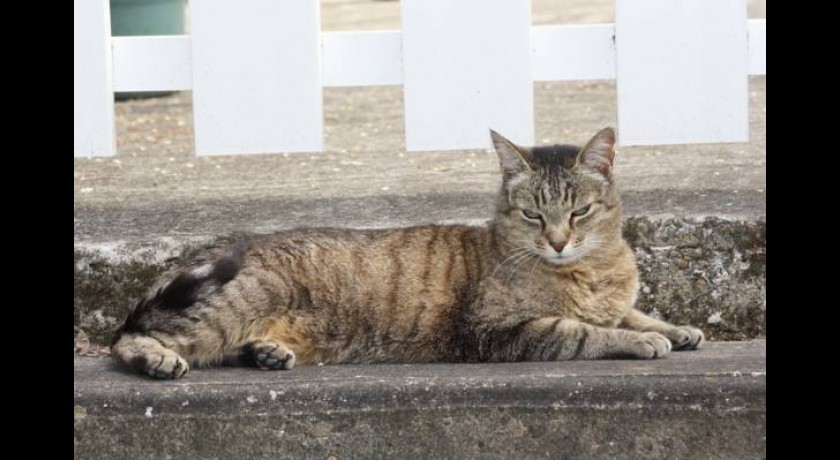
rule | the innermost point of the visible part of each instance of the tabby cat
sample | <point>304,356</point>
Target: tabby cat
<point>550,278</point>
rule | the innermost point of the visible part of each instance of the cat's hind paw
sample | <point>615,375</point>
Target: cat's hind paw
<point>166,366</point>
<point>272,356</point>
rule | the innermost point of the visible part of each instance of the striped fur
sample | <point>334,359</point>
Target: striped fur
<point>556,287</point>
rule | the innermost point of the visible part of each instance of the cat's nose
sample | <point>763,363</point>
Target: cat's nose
<point>558,246</point>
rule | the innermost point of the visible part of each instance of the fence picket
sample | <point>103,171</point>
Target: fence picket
<point>466,69</point>
<point>758,46</point>
<point>681,71</point>
<point>256,76</point>
<point>93,93</point>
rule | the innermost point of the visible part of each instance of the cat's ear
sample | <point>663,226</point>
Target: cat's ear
<point>512,158</point>
<point>599,152</point>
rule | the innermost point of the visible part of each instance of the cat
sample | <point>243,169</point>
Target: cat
<point>549,278</point>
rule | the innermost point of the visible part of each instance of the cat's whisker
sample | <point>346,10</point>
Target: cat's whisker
<point>523,262</point>
<point>515,252</point>
<point>518,257</point>
<point>510,269</point>
<point>536,262</point>
<point>518,264</point>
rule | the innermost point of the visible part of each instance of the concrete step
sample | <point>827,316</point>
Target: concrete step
<point>710,403</point>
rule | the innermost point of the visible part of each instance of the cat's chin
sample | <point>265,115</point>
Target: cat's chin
<point>561,260</point>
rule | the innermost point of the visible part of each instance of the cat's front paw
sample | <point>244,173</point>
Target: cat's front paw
<point>651,345</point>
<point>686,337</point>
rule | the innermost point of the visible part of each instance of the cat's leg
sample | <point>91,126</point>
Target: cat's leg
<point>558,339</point>
<point>683,337</point>
<point>148,355</point>
<point>277,344</point>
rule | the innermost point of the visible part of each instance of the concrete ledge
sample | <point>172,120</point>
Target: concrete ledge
<point>705,404</point>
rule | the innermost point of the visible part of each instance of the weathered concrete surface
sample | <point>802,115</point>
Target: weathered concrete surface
<point>705,404</point>
<point>709,273</point>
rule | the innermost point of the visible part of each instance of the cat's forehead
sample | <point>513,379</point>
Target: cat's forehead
<point>553,177</point>
<point>555,189</point>
<point>554,158</point>
<point>555,181</point>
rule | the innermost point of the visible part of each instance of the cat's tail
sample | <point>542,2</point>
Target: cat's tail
<point>186,288</point>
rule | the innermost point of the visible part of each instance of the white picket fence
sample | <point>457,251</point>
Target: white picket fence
<point>256,69</point>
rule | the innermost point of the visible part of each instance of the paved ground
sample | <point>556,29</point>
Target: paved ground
<point>705,404</point>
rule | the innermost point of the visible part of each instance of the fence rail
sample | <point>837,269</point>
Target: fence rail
<point>257,67</point>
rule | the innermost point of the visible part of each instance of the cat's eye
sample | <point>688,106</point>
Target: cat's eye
<point>530,214</point>
<point>581,211</point>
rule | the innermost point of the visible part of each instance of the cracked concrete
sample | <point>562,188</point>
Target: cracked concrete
<point>709,403</point>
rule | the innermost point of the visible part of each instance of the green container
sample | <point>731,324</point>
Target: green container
<point>146,17</point>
